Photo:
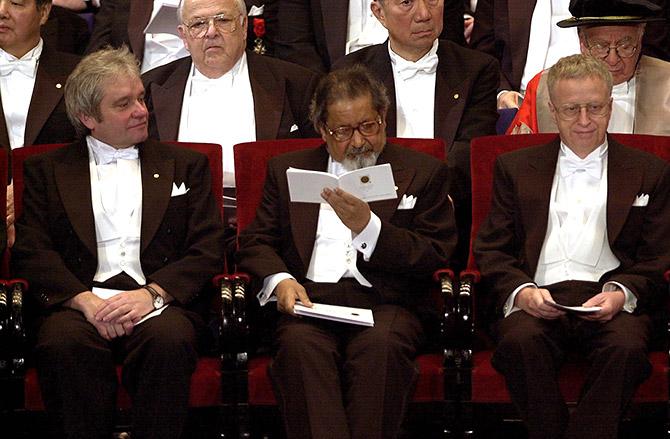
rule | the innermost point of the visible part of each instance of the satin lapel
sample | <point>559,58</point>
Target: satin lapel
<point>157,180</point>
<point>402,177</point>
<point>624,179</point>
<point>73,180</point>
<point>535,181</point>
<point>268,98</point>
<point>4,135</point>
<point>139,15</point>
<point>379,62</point>
<point>164,97</point>
<point>47,94</point>
<point>450,97</point>
<point>335,15</point>
<point>304,216</point>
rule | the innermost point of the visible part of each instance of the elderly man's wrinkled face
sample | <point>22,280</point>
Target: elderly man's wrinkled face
<point>581,108</point>
<point>413,25</point>
<point>123,115</point>
<point>354,132</point>
<point>618,47</point>
<point>215,33</point>
<point>20,22</point>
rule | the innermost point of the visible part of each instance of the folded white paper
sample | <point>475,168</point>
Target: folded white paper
<point>575,309</point>
<point>164,21</point>
<point>373,183</point>
<point>344,314</point>
<point>106,293</point>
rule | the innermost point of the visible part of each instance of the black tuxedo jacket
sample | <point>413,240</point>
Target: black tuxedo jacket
<point>282,93</point>
<point>509,241</point>
<point>181,236</point>
<point>121,22</point>
<point>47,120</point>
<point>412,243</point>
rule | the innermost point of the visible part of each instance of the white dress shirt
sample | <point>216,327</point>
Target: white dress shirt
<point>415,93</point>
<point>363,28</point>
<point>219,111</point>
<point>576,246</point>
<point>335,250</point>
<point>116,198</point>
<point>162,48</point>
<point>17,81</point>
<point>623,108</point>
<point>547,42</point>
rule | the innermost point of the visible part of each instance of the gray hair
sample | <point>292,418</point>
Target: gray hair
<point>241,6</point>
<point>578,67</point>
<point>347,83</point>
<point>85,87</point>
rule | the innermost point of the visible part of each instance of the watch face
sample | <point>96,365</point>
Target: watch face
<point>158,302</point>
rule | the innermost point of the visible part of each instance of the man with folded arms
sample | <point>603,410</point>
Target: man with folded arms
<point>118,238</point>
<point>336,380</point>
<point>581,221</point>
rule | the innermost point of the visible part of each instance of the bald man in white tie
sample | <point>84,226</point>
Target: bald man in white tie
<point>581,221</point>
<point>437,88</point>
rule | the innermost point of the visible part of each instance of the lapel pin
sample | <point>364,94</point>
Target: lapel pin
<point>365,179</point>
<point>456,96</point>
<point>59,85</point>
<point>156,175</point>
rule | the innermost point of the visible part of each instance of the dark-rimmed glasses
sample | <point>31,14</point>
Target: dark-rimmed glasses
<point>224,23</point>
<point>344,133</point>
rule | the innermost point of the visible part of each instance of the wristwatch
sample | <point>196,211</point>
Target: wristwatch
<point>156,298</point>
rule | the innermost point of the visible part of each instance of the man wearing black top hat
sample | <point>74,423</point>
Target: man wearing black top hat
<point>611,31</point>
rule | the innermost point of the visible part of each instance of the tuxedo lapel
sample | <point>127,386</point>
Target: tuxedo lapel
<point>379,62</point>
<point>624,180</point>
<point>535,182</point>
<point>519,16</point>
<point>163,98</point>
<point>450,98</point>
<point>73,179</point>
<point>402,177</point>
<point>4,135</point>
<point>48,92</point>
<point>334,15</point>
<point>304,216</point>
<point>157,179</point>
<point>269,95</point>
<point>138,17</point>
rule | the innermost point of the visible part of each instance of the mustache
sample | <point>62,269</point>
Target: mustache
<point>353,151</point>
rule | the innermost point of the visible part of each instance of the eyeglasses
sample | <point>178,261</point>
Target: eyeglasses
<point>602,50</point>
<point>572,111</point>
<point>344,133</point>
<point>223,23</point>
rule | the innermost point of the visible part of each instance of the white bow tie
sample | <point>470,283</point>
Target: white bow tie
<point>107,156</point>
<point>569,166</point>
<point>25,66</point>
<point>407,69</point>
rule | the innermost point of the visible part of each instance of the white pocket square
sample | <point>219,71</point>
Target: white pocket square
<point>179,190</point>
<point>641,200</point>
<point>407,202</point>
<point>294,127</point>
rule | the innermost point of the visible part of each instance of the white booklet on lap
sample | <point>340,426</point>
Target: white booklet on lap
<point>344,314</point>
<point>372,183</point>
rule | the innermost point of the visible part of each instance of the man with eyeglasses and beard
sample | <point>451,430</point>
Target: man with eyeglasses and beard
<point>612,31</point>
<point>581,221</point>
<point>335,380</point>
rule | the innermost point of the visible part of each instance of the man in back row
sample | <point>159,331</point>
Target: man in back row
<point>611,31</point>
<point>580,221</point>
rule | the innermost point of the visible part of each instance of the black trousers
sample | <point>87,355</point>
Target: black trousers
<point>530,353</point>
<point>77,375</point>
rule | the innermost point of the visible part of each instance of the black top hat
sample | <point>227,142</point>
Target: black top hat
<point>614,12</point>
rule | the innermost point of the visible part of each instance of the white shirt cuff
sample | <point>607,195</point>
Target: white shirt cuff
<point>366,241</point>
<point>631,301</point>
<point>267,293</point>
<point>509,307</point>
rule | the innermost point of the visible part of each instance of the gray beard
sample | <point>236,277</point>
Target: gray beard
<point>360,161</point>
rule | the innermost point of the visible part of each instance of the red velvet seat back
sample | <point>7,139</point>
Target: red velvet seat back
<point>251,160</point>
